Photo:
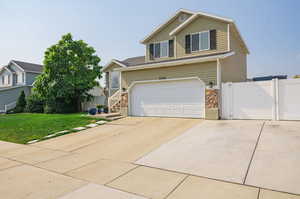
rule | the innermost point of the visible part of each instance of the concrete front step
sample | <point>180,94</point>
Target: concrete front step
<point>110,116</point>
<point>115,117</point>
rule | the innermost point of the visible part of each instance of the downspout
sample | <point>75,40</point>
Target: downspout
<point>219,87</point>
<point>219,80</point>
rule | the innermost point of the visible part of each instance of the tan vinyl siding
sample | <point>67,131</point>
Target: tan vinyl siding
<point>162,36</point>
<point>207,72</point>
<point>234,68</point>
<point>203,24</point>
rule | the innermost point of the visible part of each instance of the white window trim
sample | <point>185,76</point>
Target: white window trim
<point>8,79</point>
<point>159,42</point>
<point>199,50</point>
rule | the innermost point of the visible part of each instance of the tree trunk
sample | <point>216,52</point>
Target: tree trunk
<point>79,107</point>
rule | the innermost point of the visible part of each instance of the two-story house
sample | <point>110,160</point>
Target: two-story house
<point>18,73</point>
<point>190,52</point>
<point>18,76</point>
<point>15,77</point>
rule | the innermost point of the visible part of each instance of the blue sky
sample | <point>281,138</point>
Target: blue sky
<point>114,28</point>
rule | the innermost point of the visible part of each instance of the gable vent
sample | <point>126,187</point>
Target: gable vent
<point>182,18</point>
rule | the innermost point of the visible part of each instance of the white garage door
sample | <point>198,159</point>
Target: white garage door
<point>181,98</point>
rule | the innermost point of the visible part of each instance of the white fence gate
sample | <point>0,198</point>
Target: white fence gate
<point>275,99</point>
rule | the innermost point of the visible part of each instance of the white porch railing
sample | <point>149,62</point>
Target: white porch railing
<point>114,99</point>
<point>9,106</point>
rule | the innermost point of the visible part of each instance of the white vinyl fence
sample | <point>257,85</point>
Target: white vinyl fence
<point>274,100</point>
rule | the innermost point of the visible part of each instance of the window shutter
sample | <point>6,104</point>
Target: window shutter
<point>213,39</point>
<point>171,48</point>
<point>151,51</point>
<point>157,50</point>
<point>187,44</point>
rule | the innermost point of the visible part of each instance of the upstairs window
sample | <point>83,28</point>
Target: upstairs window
<point>157,50</point>
<point>200,41</point>
<point>19,78</point>
<point>164,49</point>
<point>161,49</point>
<point>23,77</point>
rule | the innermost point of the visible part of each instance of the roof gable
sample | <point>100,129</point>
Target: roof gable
<point>162,26</point>
<point>28,67</point>
<point>5,68</point>
<point>112,63</point>
<point>191,19</point>
<point>199,14</point>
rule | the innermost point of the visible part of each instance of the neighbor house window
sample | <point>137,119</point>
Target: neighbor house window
<point>8,79</point>
<point>200,41</point>
<point>115,80</point>
<point>23,77</point>
<point>2,80</point>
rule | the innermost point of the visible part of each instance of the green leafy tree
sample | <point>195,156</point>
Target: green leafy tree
<point>21,103</point>
<point>70,71</point>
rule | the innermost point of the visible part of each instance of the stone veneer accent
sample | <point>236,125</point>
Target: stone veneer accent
<point>124,103</point>
<point>211,104</point>
<point>211,98</point>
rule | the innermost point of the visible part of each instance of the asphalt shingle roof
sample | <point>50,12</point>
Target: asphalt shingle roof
<point>133,61</point>
<point>136,61</point>
<point>29,66</point>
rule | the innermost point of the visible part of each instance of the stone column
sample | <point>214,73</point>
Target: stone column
<point>211,104</point>
<point>124,104</point>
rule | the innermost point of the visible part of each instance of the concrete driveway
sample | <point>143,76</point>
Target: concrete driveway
<point>218,150</point>
<point>256,153</point>
<point>143,158</point>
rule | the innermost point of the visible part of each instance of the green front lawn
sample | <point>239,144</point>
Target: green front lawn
<point>21,128</point>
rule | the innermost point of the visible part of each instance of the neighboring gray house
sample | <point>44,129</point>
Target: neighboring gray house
<point>19,76</point>
<point>18,73</point>
<point>15,77</point>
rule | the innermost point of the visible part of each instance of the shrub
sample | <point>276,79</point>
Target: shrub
<point>49,108</point>
<point>21,103</point>
<point>99,106</point>
<point>34,104</point>
<point>60,106</point>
